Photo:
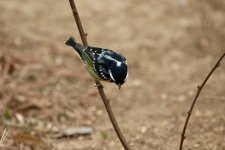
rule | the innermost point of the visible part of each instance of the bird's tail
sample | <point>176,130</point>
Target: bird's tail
<point>77,46</point>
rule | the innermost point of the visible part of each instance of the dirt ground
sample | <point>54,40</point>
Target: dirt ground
<point>170,47</point>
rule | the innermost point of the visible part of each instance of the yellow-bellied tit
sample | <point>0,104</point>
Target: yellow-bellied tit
<point>102,64</point>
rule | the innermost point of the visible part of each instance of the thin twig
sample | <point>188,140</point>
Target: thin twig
<point>78,22</point>
<point>100,87</point>
<point>3,138</point>
<point>195,99</point>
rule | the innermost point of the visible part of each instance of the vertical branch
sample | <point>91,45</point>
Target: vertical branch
<point>100,87</point>
<point>78,22</point>
<point>195,99</point>
<point>106,102</point>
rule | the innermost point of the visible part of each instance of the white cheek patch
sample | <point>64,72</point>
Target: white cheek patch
<point>111,76</point>
<point>118,64</point>
<point>126,77</point>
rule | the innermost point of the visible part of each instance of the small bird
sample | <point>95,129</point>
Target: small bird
<point>102,64</point>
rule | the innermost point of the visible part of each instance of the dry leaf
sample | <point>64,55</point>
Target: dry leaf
<point>28,139</point>
<point>19,104</point>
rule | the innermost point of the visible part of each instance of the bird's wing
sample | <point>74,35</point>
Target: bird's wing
<point>92,51</point>
<point>100,62</point>
<point>91,54</point>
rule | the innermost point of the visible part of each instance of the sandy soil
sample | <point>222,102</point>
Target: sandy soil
<point>170,47</point>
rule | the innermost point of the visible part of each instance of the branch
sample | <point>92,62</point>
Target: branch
<point>195,99</point>
<point>100,87</point>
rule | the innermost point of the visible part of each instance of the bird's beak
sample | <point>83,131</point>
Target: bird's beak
<point>119,85</point>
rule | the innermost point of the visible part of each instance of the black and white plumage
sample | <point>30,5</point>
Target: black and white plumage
<point>102,64</point>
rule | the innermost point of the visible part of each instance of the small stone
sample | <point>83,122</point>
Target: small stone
<point>59,61</point>
<point>191,92</point>
<point>20,118</point>
<point>137,83</point>
<point>196,145</point>
<point>20,98</point>
<point>198,113</point>
<point>175,66</point>
<point>181,98</point>
<point>138,137</point>
<point>93,109</point>
<point>164,96</point>
<point>55,129</point>
<point>112,143</point>
<point>99,112</point>
<point>144,129</point>
<point>49,126</point>
<point>75,131</point>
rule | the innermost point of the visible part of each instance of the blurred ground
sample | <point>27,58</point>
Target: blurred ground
<point>170,47</point>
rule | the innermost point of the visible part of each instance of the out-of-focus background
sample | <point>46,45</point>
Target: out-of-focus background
<point>170,47</point>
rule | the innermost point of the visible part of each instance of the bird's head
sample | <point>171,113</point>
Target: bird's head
<point>119,73</point>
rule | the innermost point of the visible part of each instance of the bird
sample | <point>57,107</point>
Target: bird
<point>102,64</point>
